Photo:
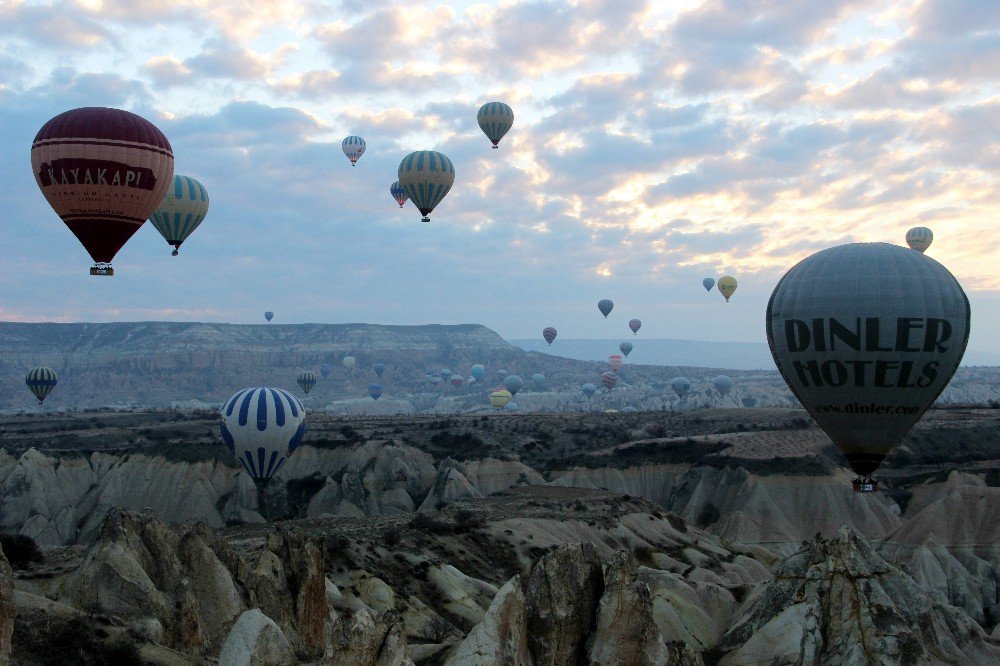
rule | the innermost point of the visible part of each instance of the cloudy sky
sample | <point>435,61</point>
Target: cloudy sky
<point>655,143</point>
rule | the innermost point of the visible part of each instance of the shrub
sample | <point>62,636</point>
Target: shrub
<point>336,543</point>
<point>708,515</point>
<point>467,520</point>
<point>391,536</point>
<point>428,523</point>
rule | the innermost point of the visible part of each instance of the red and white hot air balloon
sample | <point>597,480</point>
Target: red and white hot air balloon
<point>104,171</point>
<point>615,361</point>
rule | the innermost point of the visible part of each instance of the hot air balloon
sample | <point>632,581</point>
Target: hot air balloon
<point>513,383</point>
<point>457,381</point>
<point>919,238</point>
<point>501,373</point>
<point>495,119</point>
<point>181,211</point>
<point>723,384</point>
<point>269,315</point>
<point>262,427</point>
<point>427,176</point>
<point>398,193</point>
<point>629,409</point>
<point>708,283</point>
<point>635,325</point>
<point>470,380</point>
<point>103,171</point>
<point>609,379</point>
<point>375,391</point>
<point>588,389</point>
<point>605,305</point>
<point>549,334</point>
<point>379,368</point>
<point>478,372</point>
<point>615,361</point>
<point>306,380</point>
<point>867,335</point>
<point>446,373</point>
<point>435,379</point>
<point>499,398</point>
<point>325,369</point>
<point>538,379</point>
<point>354,148</point>
<point>512,406</point>
<point>40,382</point>
<point>625,348</point>
<point>681,386</point>
<point>349,362</point>
<point>727,285</point>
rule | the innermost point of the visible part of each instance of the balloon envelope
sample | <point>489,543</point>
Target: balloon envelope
<point>499,398</point>
<point>538,379</point>
<point>501,373</point>
<point>727,286</point>
<point>262,427</point>
<point>549,334</point>
<point>375,391</point>
<point>306,381</point>
<point>354,148</point>
<point>588,389</point>
<point>478,372</point>
<point>104,171</point>
<point>379,368</point>
<point>605,305</point>
<point>635,325</point>
<point>919,238</point>
<point>269,315</point>
<point>513,383</point>
<point>325,369</point>
<point>398,193</point>
<point>427,177</point>
<point>349,362</point>
<point>681,386</point>
<point>495,119</point>
<point>41,381</point>
<point>615,361</point>
<point>708,283</point>
<point>609,379</point>
<point>183,208</point>
<point>625,348</point>
<point>867,335</point>
<point>457,380</point>
<point>723,384</point>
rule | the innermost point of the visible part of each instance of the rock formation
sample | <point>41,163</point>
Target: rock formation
<point>255,640</point>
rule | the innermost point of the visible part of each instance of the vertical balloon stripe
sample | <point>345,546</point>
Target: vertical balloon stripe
<point>270,465</point>
<point>279,408</point>
<point>249,465</point>
<point>232,402</point>
<point>261,409</point>
<point>245,407</point>
<point>281,463</point>
<point>178,187</point>
<point>260,461</point>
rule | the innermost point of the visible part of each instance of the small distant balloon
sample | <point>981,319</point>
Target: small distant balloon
<point>513,383</point>
<point>605,305</point>
<point>538,379</point>
<point>446,373</point>
<point>549,334</point>
<point>588,389</point>
<point>379,368</point>
<point>457,381</point>
<point>727,286</point>
<point>919,238</point>
<point>723,384</point>
<point>269,315</point>
<point>635,325</point>
<point>349,362</point>
<point>354,148</point>
<point>40,382</point>
<point>325,369</point>
<point>609,379</point>
<point>708,283</point>
<point>501,373</point>
<point>495,119</point>
<point>681,386</point>
<point>306,381</point>
<point>615,361</point>
<point>625,348</point>
<point>478,372</point>
<point>375,391</point>
<point>398,193</point>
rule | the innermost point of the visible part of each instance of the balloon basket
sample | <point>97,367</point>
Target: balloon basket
<point>864,485</point>
<point>425,219</point>
<point>102,269</point>
<point>174,253</point>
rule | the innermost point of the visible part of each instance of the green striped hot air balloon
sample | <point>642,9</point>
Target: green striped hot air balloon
<point>495,119</point>
<point>183,208</point>
<point>427,176</point>
<point>41,381</point>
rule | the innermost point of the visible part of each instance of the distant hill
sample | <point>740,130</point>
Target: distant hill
<point>661,351</point>
<point>694,353</point>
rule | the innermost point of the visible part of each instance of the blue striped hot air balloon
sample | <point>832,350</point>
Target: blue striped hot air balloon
<point>354,148</point>
<point>427,176</point>
<point>41,381</point>
<point>306,380</point>
<point>375,391</point>
<point>495,119</point>
<point>262,427</point>
<point>183,208</point>
<point>398,193</point>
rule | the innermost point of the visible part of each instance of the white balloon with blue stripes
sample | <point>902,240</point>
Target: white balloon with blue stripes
<point>262,427</point>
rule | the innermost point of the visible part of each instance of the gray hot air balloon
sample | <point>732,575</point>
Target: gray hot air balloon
<point>867,335</point>
<point>723,384</point>
<point>605,305</point>
<point>681,385</point>
<point>588,389</point>
<point>626,348</point>
<point>513,383</point>
<point>538,379</point>
<point>708,283</point>
<point>919,238</point>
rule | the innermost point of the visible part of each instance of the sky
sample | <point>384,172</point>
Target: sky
<point>654,144</point>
